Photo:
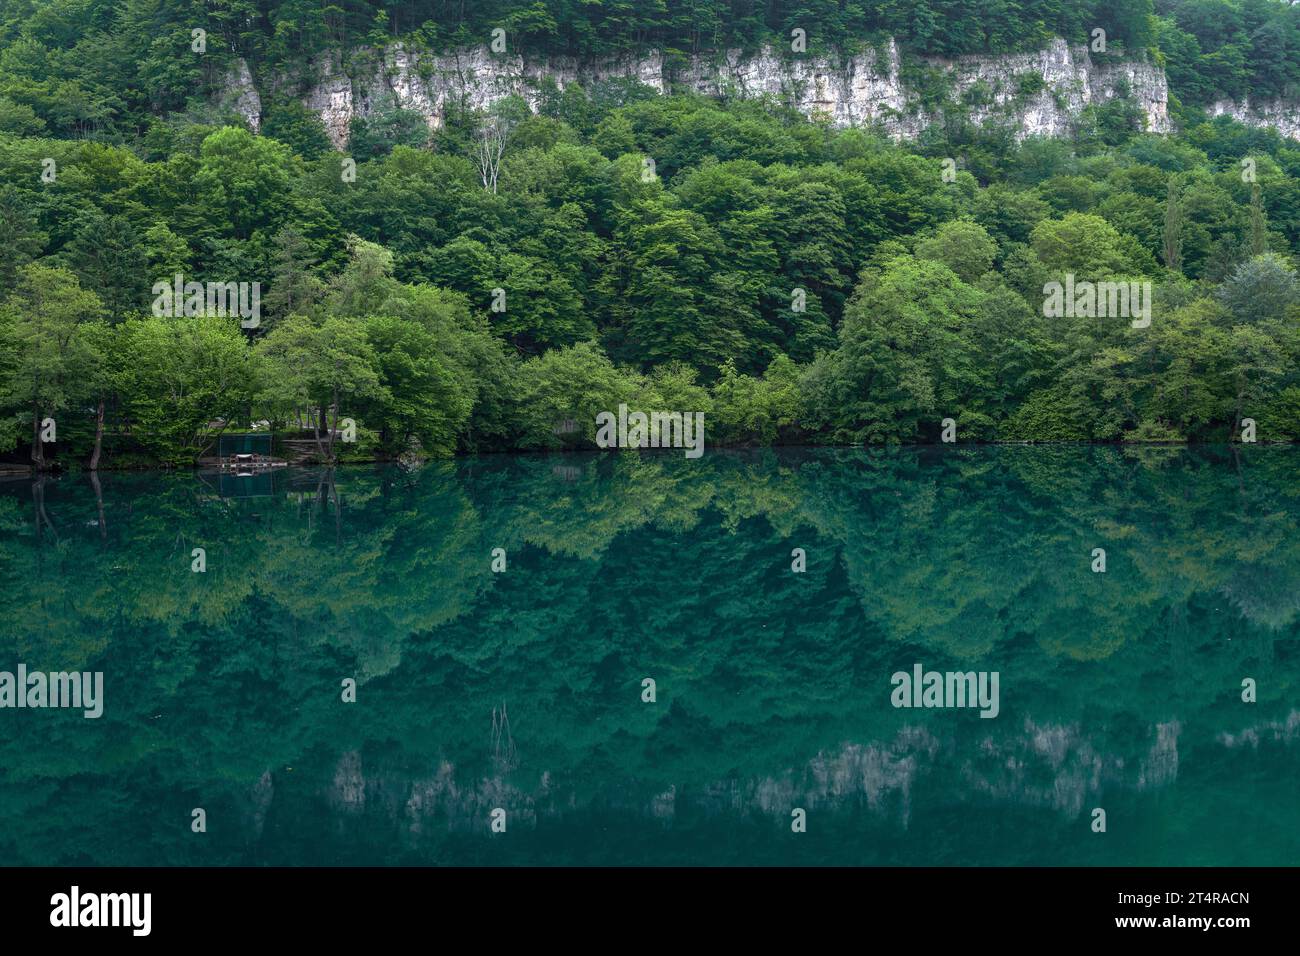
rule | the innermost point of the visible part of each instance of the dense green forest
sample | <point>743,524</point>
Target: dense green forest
<point>792,281</point>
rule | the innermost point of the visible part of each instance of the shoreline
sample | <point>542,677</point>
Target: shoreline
<point>10,471</point>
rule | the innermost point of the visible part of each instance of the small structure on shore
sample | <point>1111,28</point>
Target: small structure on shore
<point>243,467</point>
<point>246,454</point>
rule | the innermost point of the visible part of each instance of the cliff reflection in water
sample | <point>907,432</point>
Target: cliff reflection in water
<point>522,690</point>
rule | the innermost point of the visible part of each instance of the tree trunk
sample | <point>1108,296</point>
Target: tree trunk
<point>338,512</point>
<point>99,504</point>
<point>334,425</point>
<point>316,423</point>
<point>99,436</point>
<point>36,507</point>
<point>38,500</point>
<point>1236,413</point>
<point>38,447</point>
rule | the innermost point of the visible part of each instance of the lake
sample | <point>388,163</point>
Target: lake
<point>524,690</point>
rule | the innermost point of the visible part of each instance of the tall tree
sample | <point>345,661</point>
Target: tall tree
<point>321,367</point>
<point>1258,222</point>
<point>1172,237</point>
<point>52,359</point>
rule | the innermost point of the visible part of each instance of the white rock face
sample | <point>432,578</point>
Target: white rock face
<point>331,100</point>
<point>1056,766</point>
<point>1280,114</point>
<point>1041,93</point>
<point>239,93</point>
<point>869,89</point>
<point>864,90</point>
<point>1071,81</point>
<point>473,79</point>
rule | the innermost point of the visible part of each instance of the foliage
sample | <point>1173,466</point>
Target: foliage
<point>793,281</point>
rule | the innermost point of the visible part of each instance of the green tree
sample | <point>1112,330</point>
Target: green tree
<point>1086,245</point>
<point>319,368</point>
<point>964,247</point>
<point>905,359</point>
<point>570,384</point>
<point>20,238</point>
<point>1172,237</point>
<point>107,256</point>
<point>51,360</point>
<point>183,381</point>
<point>244,181</point>
<point>294,287</point>
<point>1261,289</point>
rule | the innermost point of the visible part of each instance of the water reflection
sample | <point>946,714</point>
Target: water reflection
<point>522,690</point>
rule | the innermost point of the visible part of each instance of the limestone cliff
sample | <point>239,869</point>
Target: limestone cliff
<point>1279,114</point>
<point>1039,93</point>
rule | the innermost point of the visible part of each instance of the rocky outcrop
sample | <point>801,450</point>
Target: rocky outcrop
<point>1287,731</point>
<point>1281,115</point>
<point>1060,767</point>
<point>238,93</point>
<point>1036,94</point>
<point>1039,93</point>
<point>1048,766</point>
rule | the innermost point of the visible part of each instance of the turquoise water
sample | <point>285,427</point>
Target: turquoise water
<point>523,690</point>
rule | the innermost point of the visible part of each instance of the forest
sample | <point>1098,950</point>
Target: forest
<point>795,282</point>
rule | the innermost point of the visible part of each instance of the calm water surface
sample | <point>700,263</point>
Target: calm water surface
<point>523,690</point>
